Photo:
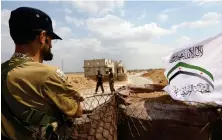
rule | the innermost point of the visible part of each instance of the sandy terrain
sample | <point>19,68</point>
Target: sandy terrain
<point>157,76</point>
<point>86,88</point>
<point>157,97</point>
<point>86,85</point>
<point>136,79</point>
<point>80,82</point>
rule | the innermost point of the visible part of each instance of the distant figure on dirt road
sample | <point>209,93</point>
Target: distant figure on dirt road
<point>99,79</point>
<point>36,98</point>
<point>111,80</point>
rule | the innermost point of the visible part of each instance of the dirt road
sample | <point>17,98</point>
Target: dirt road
<point>137,80</point>
<point>132,79</point>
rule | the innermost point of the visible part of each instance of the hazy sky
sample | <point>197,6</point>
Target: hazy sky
<point>138,33</point>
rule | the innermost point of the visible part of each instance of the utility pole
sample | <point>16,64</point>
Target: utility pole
<point>62,65</point>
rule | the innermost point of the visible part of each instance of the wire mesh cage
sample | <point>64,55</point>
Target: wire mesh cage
<point>140,113</point>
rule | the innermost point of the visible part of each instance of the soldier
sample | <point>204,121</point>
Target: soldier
<point>111,80</point>
<point>35,96</point>
<point>99,79</point>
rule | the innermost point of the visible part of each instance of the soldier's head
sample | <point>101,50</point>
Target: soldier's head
<point>32,32</point>
<point>110,70</point>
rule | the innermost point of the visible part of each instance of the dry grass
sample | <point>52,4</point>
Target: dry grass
<point>157,76</point>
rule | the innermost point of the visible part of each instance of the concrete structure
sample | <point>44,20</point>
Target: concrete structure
<point>92,66</point>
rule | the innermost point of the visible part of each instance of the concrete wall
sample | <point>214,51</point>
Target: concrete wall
<point>122,77</point>
<point>92,66</point>
<point>94,63</point>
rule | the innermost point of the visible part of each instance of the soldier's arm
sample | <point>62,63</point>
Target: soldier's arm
<point>57,89</point>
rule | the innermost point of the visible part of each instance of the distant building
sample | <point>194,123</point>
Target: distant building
<point>92,66</point>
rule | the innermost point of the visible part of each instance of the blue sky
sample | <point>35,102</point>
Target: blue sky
<point>138,33</point>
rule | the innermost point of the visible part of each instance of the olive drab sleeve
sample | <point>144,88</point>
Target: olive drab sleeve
<point>61,93</point>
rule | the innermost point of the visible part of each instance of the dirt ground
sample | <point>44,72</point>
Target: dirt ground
<point>157,76</point>
<point>80,82</point>
<point>157,97</point>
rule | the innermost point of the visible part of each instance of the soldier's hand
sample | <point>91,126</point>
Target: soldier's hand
<point>78,97</point>
<point>79,111</point>
<point>81,99</point>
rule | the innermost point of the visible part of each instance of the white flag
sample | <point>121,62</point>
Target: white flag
<point>195,72</point>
